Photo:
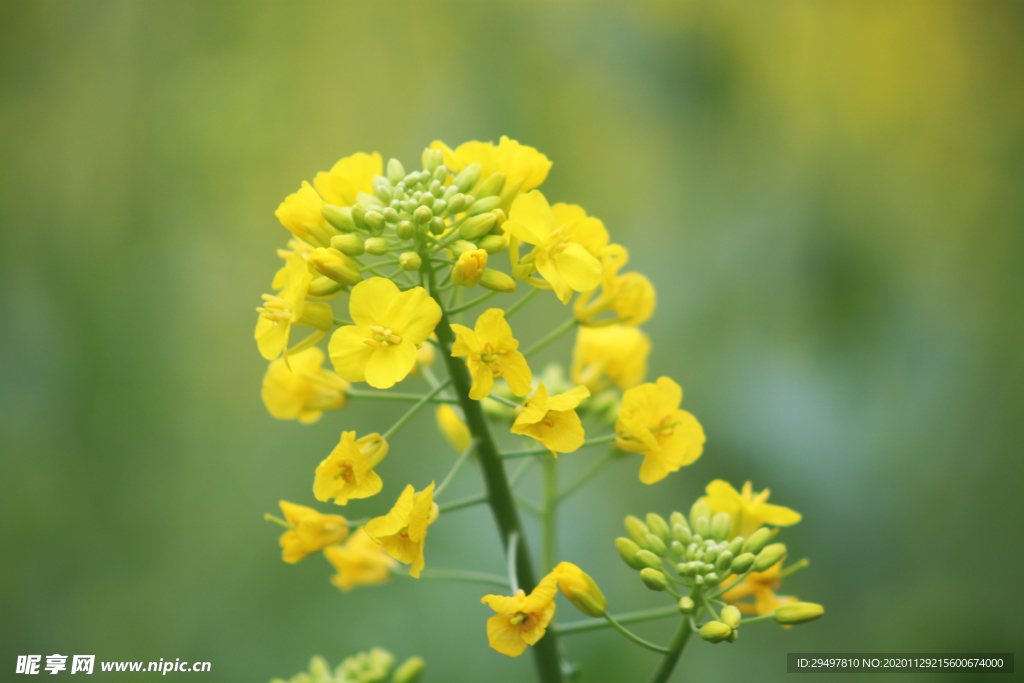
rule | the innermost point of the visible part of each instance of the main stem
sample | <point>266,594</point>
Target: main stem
<point>675,649</point>
<point>499,492</point>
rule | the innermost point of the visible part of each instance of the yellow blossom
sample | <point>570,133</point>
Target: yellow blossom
<point>359,562</point>
<point>630,296</point>
<point>289,307</point>
<point>761,585</point>
<point>552,420</point>
<point>403,531</point>
<point>748,511</point>
<point>300,213</point>
<point>580,589</point>
<point>380,348</point>
<point>610,355</point>
<point>491,352</point>
<point>310,532</point>
<point>455,431</point>
<point>521,619</point>
<point>350,176</point>
<point>651,423</point>
<point>347,473</point>
<point>304,390</point>
<point>524,167</point>
<point>468,270</point>
<point>559,255</point>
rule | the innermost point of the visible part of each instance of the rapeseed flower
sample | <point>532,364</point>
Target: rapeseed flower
<point>552,420</point>
<point>762,586</point>
<point>650,422</point>
<point>610,355</point>
<point>310,532</point>
<point>347,473</point>
<point>748,511</point>
<point>359,562</point>
<point>521,619</point>
<point>524,167</point>
<point>289,307</point>
<point>354,174</point>
<point>402,532</point>
<point>468,270</point>
<point>491,352</point>
<point>630,296</point>
<point>300,213</point>
<point>580,589</point>
<point>304,390</point>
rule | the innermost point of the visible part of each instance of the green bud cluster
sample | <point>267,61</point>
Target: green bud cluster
<point>374,666</point>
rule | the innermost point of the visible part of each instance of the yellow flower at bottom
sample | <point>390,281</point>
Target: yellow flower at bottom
<point>552,420</point>
<point>492,352</point>
<point>610,355</point>
<point>455,431</point>
<point>310,532</point>
<point>347,472</point>
<point>359,562</point>
<point>403,531</point>
<point>521,619</point>
<point>748,511</point>
<point>762,586</point>
<point>651,423</point>
<point>303,391</point>
<point>581,590</point>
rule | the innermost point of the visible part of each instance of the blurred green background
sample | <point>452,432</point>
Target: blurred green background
<point>827,196</point>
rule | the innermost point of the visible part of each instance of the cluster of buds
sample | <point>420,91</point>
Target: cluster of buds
<point>374,666</point>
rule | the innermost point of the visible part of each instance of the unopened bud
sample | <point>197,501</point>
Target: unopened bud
<point>336,266</point>
<point>410,260</point>
<point>653,579</point>
<point>686,605</point>
<point>469,268</point>
<point>649,559</point>
<point>731,616</point>
<point>658,526</point>
<point>458,247</point>
<point>422,214</point>
<point>758,540</point>
<point>637,530</point>
<point>502,217</point>
<point>699,509</point>
<point>628,550</point>
<point>493,244</point>
<point>710,554</point>
<point>798,612</point>
<point>711,579</point>
<point>468,177</point>
<point>702,526</point>
<point>431,159</point>
<point>324,286</point>
<point>720,525</point>
<point>485,205</point>
<point>492,185</point>
<point>497,281</point>
<point>682,533</point>
<point>349,244</point>
<point>395,171</point>
<point>358,215</point>
<point>390,215</point>
<point>436,226</point>
<point>339,216</point>
<point>412,670</point>
<point>477,226</point>
<point>678,549</point>
<point>736,545</point>
<point>455,201</point>
<point>412,180</point>
<point>769,556</point>
<point>382,189</point>
<point>678,518</point>
<point>581,589</point>
<point>427,200</point>
<point>440,174</point>
<point>377,246</point>
<point>440,206</point>
<point>743,563</point>
<point>656,545</point>
<point>715,631</point>
<point>723,562</point>
<point>405,230</point>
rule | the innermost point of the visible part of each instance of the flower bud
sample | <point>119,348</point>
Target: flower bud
<point>653,579</point>
<point>319,669</point>
<point>493,244</point>
<point>731,616</point>
<point>522,271</point>
<point>720,525</point>
<point>702,526</point>
<point>485,205</point>
<point>390,215</point>
<point>456,202</point>
<point>422,214</point>
<point>405,230</point>
<point>437,226</point>
<point>477,226</point>
<point>459,247</point>
<point>736,545</point>
<point>715,631</point>
<point>723,562</point>
<point>395,171</point>
<point>658,526</point>
<point>491,186</point>
<point>382,189</point>
<point>649,559</point>
<point>678,549</point>
<point>581,590</point>
<point>757,540</point>
<point>743,563</point>
<point>349,244</point>
<point>682,533</point>
<point>497,281</point>
<point>678,518</point>
<point>412,670</point>
<point>413,179</point>
<point>628,551</point>
<point>377,246</point>
<point>686,605</point>
<point>656,545</point>
<point>324,286</point>
<point>710,554</point>
<point>711,579</point>
<point>358,215</point>
<point>637,530</point>
<point>469,268</point>
<point>338,216</point>
<point>432,159</point>
<point>336,266</point>
<point>699,509</point>
<point>468,177</point>
<point>454,430</point>
<point>440,206</point>
<point>427,200</point>
<point>690,569</point>
<point>798,612</point>
<point>410,260</point>
<point>769,556</point>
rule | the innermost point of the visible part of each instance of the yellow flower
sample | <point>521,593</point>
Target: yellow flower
<point>310,532</point>
<point>360,562</point>
<point>289,307</point>
<point>347,472</point>
<point>630,296</point>
<point>521,619</point>
<point>468,270</point>
<point>552,420</point>
<point>455,431</point>
<point>610,355</point>
<point>651,423</point>
<point>350,176</point>
<point>380,348</point>
<point>304,390</point>
<point>749,512</point>
<point>762,586</point>
<point>300,213</point>
<point>491,352</point>
<point>524,167</point>
<point>581,590</point>
<point>559,254</point>
<point>403,531</point>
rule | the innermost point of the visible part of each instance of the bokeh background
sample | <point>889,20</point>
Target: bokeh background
<point>827,196</point>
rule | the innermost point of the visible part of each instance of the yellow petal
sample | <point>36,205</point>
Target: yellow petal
<point>370,299</point>
<point>483,380</point>
<point>532,211</point>
<point>517,373</point>
<point>386,367</point>
<point>271,337</point>
<point>413,315</point>
<point>349,354</point>
<point>466,343</point>
<point>569,399</point>
<point>549,271</point>
<point>578,267</point>
<point>492,327</point>
<point>504,636</point>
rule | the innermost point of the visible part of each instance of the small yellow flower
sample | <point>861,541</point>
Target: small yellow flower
<point>630,296</point>
<point>380,348</point>
<point>491,352</point>
<point>524,167</point>
<point>468,270</point>
<point>347,473</point>
<point>521,619</point>
<point>761,585</point>
<point>559,254</point>
<point>303,391</point>
<point>403,531</point>
<point>300,213</point>
<point>289,307</point>
<point>359,562</point>
<point>610,355</point>
<point>310,532</point>
<point>552,420</point>
<point>580,589</point>
<point>455,431</point>
<point>350,176</point>
<point>748,511</point>
<point>651,423</point>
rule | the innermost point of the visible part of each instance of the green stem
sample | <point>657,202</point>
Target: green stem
<point>503,400</point>
<point>634,637</point>
<point>588,475</point>
<point>584,625</point>
<point>763,617</point>
<point>390,396</point>
<point>549,517</point>
<point>513,541</point>
<point>521,472</point>
<point>415,409</point>
<point>462,503</point>
<point>458,575</point>
<point>277,520</point>
<point>470,304</point>
<point>551,336</point>
<point>522,302</point>
<point>537,451</point>
<point>455,468</point>
<point>675,649</point>
<point>343,322</point>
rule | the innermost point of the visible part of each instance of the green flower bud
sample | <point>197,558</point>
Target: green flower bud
<point>690,569</point>
<point>377,246</point>
<point>458,247</point>
<point>658,526</point>
<point>711,579</point>
<point>336,266</point>
<point>422,214</point>
<point>706,567</point>
<point>437,226</point>
<point>492,185</point>
<point>678,549</point>
<point>468,178</point>
<point>731,616</point>
<point>743,563</point>
<point>375,220</point>
<point>710,554</point>
<point>628,551</point>
<point>733,636</point>
<point>431,159</point>
<point>410,260</point>
<point>382,189</point>
<point>390,215</point>
<point>358,214</point>
<point>699,509</point>
<point>649,559</point>
<point>769,556</point>
<point>497,281</point>
<point>493,244</point>
<point>656,545</point>
<point>478,226</point>
<point>440,206</point>
<point>757,540</point>
<point>405,230</point>
<point>698,580</point>
<point>485,205</point>
<point>798,612</point>
<point>319,669</point>
<point>637,530</point>
<point>698,539</point>
<point>715,631</point>
<point>395,171</point>
<point>682,533</point>
<point>412,180</point>
<point>678,518</point>
<point>440,174</point>
<point>450,192</point>
<point>412,670</point>
<point>653,579</point>
<point>427,200</point>
<point>736,545</point>
<point>702,526</point>
<point>338,216</point>
<point>522,271</point>
<point>720,525</point>
<point>349,244</point>
<point>723,562</point>
<point>324,286</point>
<point>686,605</point>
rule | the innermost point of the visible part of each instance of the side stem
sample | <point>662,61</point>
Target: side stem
<point>675,649</point>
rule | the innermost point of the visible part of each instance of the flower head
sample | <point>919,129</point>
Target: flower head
<point>289,307</point>
<point>350,176</point>
<point>521,619</point>
<point>524,167</point>
<point>359,562</point>
<point>347,472</point>
<point>470,267</point>
<point>491,352</point>
<point>310,532</point>
<point>380,348</point>
<point>650,422</point>
<point>610,355</point>
<point>630,296</point>
<point>559,255</point>
<point>552,420</point>
<point>580,589</point>
<point>403,531</point>
<point>455,431</point>
<point>304,390</point>
<point>747,510</point>
<point>762,586</point>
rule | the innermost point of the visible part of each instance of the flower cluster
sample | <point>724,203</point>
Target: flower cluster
<point>375,666</point>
